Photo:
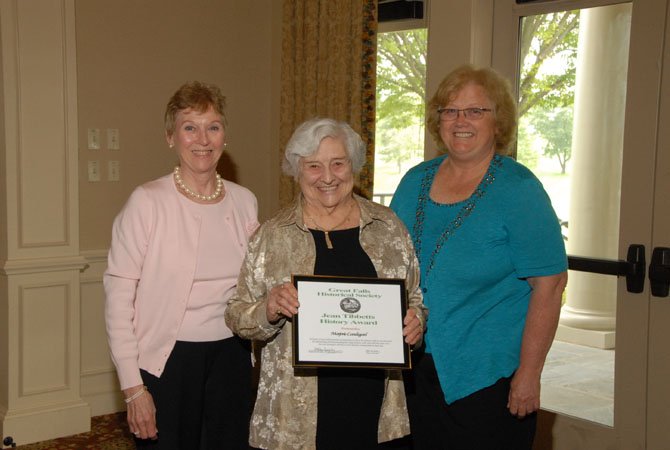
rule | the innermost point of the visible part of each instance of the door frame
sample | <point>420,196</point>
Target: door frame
<point>658,391</point>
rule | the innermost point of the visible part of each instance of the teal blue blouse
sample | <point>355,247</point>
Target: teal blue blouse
<point>475,256</point>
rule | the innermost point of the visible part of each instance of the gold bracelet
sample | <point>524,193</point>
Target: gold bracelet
<point>136,395</point>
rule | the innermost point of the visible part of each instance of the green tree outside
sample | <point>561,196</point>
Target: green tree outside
<point>556,131</point>
<point>548,51</point>
<point>401,92</point>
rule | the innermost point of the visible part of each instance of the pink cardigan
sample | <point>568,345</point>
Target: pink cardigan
<point>150,271</point>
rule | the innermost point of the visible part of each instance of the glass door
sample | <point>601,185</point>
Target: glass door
<point>589,128</point>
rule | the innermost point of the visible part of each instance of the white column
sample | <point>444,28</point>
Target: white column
<point>39,224</point>
<point>588,317</point>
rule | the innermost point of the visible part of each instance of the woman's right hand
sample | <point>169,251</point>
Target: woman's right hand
<point>141,413</point>
<point>282,302</point>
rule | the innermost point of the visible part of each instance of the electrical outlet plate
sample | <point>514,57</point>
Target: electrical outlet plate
<point>94,138</point>
<point>113,170</point>
<point>94,171</point>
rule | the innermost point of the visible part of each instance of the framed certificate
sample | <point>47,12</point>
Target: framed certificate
<point>350,322</point>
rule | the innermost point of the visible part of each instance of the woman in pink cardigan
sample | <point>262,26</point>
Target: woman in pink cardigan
<point>177,247</point>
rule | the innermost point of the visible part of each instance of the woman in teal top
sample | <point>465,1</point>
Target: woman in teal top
<point>493,269</point>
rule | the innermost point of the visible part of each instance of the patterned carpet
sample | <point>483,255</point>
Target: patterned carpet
<point>109,432</point>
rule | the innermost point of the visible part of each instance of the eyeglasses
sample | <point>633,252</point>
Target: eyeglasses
<point>447,114</point>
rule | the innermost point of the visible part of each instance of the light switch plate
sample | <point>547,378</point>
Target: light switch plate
<point>94,138</point>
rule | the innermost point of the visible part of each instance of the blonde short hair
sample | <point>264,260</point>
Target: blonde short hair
<point>497,89</point>
<point>197,96</point>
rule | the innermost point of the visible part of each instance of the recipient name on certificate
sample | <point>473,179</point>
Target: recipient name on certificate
<point>350,322</point>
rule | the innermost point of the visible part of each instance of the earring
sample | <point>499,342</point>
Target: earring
<point>171,145</point>
<point>225,144</point>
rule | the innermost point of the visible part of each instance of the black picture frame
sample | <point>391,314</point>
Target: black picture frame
<point>350,322</point>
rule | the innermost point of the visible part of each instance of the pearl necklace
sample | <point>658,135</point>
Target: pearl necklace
<point>205,198</point>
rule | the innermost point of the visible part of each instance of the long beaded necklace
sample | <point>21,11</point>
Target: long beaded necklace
<point>329,243</point>
<point>188,191</point>
<point>465,211</point>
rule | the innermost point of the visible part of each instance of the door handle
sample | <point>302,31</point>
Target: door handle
<point>633,268</point>
<point>636,266</point>
<point>659,272</point>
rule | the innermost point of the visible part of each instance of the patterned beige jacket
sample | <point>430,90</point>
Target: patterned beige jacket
<point>286,406</point>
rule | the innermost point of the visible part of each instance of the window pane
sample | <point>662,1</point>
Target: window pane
<point>401,81</point>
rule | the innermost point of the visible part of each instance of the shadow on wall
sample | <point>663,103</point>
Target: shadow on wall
<point>227,168</point>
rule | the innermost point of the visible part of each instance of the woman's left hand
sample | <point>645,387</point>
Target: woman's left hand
<point>412,329</point>
<point>544,310</point>
<point>524,394</point>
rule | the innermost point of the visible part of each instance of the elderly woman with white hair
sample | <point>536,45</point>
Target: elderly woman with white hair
<point>328,230</point>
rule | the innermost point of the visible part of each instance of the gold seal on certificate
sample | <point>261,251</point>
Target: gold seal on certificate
<point>350,322</point>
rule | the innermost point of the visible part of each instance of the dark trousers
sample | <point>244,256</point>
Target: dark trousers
<point>480,421</point>
<point>203,398</point>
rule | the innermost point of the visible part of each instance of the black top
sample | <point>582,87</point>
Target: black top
<point>346,258</point>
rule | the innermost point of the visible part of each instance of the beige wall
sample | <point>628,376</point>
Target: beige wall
<point>3,187</point>
<point>70,65</point>
<point>132,55</point>
<point>459,32</point>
